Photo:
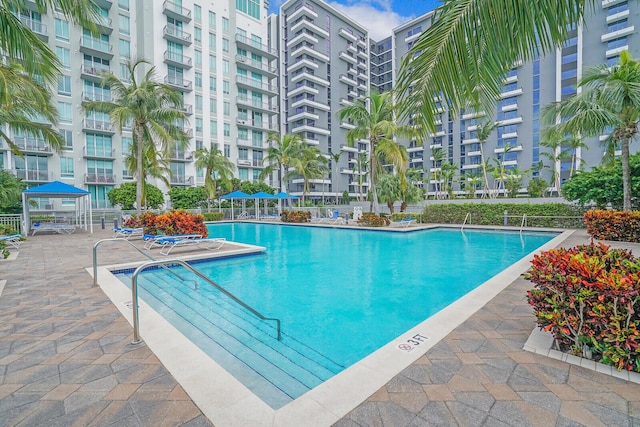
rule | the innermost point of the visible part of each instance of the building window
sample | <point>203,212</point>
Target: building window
<point>212,83</point>
<point>67,135</point>
<point>62,30</point>
<point>198,79</point>
<point>66,167</point>
<point>212,19</point>
<point>213,106</point>
<point>227,150</point>
<point>212,41</point>
<point>198,58</point>
<point>225,25</point>
<point>64,85</point>
<point>225,45</point>
<point>227,129</point>
<point>226,87</point>
<point>64,109</point>
<point>197,34</point>
<point>199,103</point>
<point>199,124</point>
<point>125,49</point>
<point>212,63</point>
<point>124,25</point>
<point>123,4</point>
<point>226,107</point>
<point>64,55</point>
<point>197,13</point>
<point>213,128</point>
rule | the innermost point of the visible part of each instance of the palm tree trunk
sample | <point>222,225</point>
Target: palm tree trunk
<point>140,177</point>
<point>626,177</point>
<point>374,192</point>
<point>484,174</point>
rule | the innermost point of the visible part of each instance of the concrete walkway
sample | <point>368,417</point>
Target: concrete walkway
<point>65,360</point>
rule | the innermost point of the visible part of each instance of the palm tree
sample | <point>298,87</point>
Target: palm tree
<point>22,100</point>
<point>360,169</point>
<point>552,139</point>
<point>152,109</point>
<point>470,46</point>
<point>17,40</point>
<point>483,132</point>
<point>389,189</point>
<point>154,166</point>
<point>574,142</point>
<point>216,168</point>
<point>410,193</point>
<point>501,167</point>
<point>373,118</point>
<point>280,156</point>
<point>447,174</point>
<point>439,158</point>
<point>10,191</point>
<point>335,158</point>
<point>311,164</point>
<point>471,181</point>
<point>609,103</point>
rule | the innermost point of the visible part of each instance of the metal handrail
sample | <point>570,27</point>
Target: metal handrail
<point>524,222</point>
<point>95,257</point>
<point>134,295</point>
<point>466,217</point>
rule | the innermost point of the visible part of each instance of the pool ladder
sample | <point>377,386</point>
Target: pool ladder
<point>466,218</point>
<point>163,264</point>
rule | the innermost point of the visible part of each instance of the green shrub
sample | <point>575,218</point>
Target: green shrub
<point>621,226</point>
<point>213,216</point>
<point>295,216</point>
<point>6,229</point>
<point>3,250</point>
<point>372,220</point>
<point>588,298</point>
<point>493,214</point>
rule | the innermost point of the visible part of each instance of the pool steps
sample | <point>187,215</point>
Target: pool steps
<point>277,371</point>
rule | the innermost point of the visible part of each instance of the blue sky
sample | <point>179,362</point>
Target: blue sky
<point>378,16</point>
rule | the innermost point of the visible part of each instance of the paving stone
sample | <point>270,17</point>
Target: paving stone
<point>435,414</point>
<point>546,400</point>
<point>466,415</point>
<point>367,414</point>
<point>478,400</point>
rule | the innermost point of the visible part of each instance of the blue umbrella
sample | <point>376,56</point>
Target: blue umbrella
<point>283,195</point>
<point>261,195</point>
<point>235,195</point>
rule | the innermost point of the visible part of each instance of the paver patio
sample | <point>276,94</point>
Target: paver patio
<point>65,360</point>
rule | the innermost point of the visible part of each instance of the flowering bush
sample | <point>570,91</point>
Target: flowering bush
<point>589,296</point>
<point>169,223</point>
<point>372,220</point>
<point>613,225</point>
<point>295,216</point>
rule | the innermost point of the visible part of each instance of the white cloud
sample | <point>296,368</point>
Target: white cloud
<point>380,23</point>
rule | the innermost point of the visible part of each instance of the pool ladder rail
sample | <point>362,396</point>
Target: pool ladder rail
<point>164,264</point>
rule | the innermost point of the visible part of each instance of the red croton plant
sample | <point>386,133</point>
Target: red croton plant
<point>169,223</point>
<point>613,225</point>
<point>589,296</point>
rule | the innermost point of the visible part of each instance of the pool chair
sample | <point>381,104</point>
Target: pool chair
<point>210,244</point>
<point>270,217</point>
<point>12,239</point>
<point>127,233</point>
<point>151,240</point>
<point>333,217</point>
<point>55,227</point>
<point>243,215</point>
<point>406,222</point>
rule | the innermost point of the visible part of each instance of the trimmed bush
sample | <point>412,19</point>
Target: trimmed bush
<point>169,223</point>
<point>493,214</point>
<point>295,216</point>
<point>372,220</point>
<point>621,226</point>
<point>213,216</point>
<point>588,298</point>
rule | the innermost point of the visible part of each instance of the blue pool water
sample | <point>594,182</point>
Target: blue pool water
<point>340,294</point>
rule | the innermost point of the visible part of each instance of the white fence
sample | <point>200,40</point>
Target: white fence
<point>14,221</point>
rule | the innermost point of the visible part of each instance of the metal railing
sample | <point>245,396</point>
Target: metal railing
<point>466,218</point>
<point>134,295</point>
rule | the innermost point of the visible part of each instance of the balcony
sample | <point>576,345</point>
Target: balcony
<point>240,142</point>
<point>309,128</point>
<point>347,80</point>
<point>256,47</point>
<point>257,104</point>
<point>309,50</point>
<point>37,27</point>
<point>346,101</point>
<point>311,103</point>
<point>348,35</point>
<point>99,178</point>
<point>174,33</point>
<point>93,73</point>
<point>302,88</point>
<point>349,148</point>
<point>33,175</point>
<point>187,109</point>
<point>244,162</point>
<point>181,156</point>
<point>302,63</point>
<point>305,23</point>
<point>362,53</point>
<point>302,10</point>
<point>104,24</point>
<point>93,46</point>
<point>96,96</point>
<point>32,144</point>
<point>181,180</point>
<point>176,11</point>
<point>99,152</point>
<point>257,85</point>
<point>178,59</point>
<point>254,65</point>
<point>304,36</point>
<point>258,124</point>
<point>179,83</point>
<point>98,126</point>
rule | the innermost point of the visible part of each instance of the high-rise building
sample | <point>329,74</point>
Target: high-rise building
<point>381,65</point>
<point>324,63</point>
<point>528,87</point>
<point>215,54</point>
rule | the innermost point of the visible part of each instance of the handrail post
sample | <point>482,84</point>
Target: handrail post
<point>136,315</point>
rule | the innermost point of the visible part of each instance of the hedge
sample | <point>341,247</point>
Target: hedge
<point>213,216</point>
<point>372,220</point>
<point>295,216</point>
<point>493,214</point>
<point>169,223</point>
<point>623,226</point>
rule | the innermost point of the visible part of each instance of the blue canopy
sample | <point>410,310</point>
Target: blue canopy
<point>55,189</point>
<point>283,195</point>
<point>262,195</point>
<point>237,195</point>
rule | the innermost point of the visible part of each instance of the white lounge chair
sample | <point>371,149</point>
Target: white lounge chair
<point>243,215</point>
<point>127,233</point>
<point>210,244</point>
<point>56,227</point>
<point>406,222</point>
<point>12,239</point>
<point>333,217</point>
<point>270,217</point>
<point>152,240</point>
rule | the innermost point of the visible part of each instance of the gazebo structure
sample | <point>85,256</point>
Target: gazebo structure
<point>60,190</point>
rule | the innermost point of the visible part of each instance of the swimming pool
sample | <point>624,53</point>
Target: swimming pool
<point>341,294</point>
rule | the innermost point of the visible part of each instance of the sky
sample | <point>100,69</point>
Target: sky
<point>378,16</point>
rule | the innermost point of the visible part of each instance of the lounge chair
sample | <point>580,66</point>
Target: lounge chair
<point>56,227</point>
<point>406,222</point>
<point>12,239</point>
<point>270,217</point>
<point>243,215</point>
<point>169,243</point>
<point>152,240</point>
<point>333,217</point>
<point>127,233</point>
